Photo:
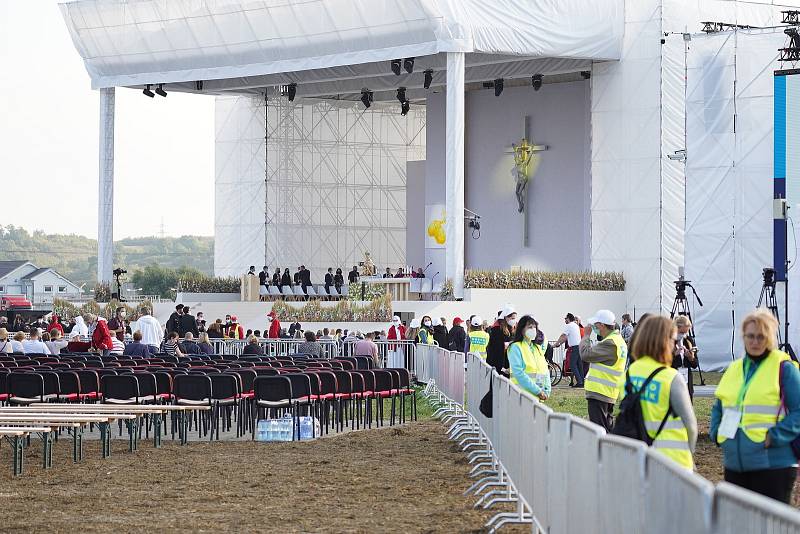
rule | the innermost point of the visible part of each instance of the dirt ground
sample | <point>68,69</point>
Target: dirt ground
<point>407,479</point>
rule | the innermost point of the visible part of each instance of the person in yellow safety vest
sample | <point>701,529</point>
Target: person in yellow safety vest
<point>526,359</point>
<point>425,334</point>
<point>757,413</point>
<point>607,366</point>
<point>666,406</point>
<point>235,331</point>
<point>477,338</point>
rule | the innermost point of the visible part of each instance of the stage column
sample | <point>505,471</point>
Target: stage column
<point>454,173</point>
<point>105,199</point>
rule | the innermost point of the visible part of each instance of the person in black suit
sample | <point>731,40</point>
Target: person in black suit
<point>352,276</point>
<point>298,277</point>
<point>328,280</point>
<point>173,323</point>
<point>338,280</point>
<point>276,278</point>
<point>305,278</point>
<point>293,327</point>
<point>188,323</point>
<point>286,280</point>
<point>262,276</point>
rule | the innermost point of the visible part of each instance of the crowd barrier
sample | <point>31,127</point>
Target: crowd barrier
<point>564,474</point>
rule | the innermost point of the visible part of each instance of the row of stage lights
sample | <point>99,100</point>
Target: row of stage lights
<point>159,91</point>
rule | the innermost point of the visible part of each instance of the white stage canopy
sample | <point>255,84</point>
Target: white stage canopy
<point>132,43</point>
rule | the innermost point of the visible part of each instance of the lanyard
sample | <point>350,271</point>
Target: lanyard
<point>745,368</point>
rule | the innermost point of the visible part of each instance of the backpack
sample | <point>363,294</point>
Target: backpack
<point>630,421</point>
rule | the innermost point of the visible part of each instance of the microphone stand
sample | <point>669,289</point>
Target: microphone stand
<point>432,278</point>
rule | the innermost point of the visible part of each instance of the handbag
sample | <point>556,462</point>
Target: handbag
<point>486,403</point>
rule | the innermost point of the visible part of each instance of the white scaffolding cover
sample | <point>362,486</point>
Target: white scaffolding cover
<point>136,42</point>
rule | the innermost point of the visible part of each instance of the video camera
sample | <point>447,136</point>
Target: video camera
<point>769,276</point>
<point>119,272</point>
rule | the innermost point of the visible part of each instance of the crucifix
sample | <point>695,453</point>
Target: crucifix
<point>526,161</point>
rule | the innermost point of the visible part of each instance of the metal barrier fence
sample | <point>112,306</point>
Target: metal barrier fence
<point>565,475</point>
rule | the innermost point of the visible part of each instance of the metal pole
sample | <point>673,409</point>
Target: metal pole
<point>105,200</point>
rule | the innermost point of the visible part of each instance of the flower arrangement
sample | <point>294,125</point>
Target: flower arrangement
<point>102,292</point>
<point>522,279</point>
<point>201,283</point>
<point>67,310</point>
<point>371,291</point>
<point>447,292</point>
<point>377,310</point>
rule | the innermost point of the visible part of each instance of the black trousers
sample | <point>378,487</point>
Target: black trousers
<point>775,483</point>
<point>601,413</point>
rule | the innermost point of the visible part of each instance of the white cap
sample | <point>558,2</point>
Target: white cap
<point>603,317</point>
<point>396,318</point>
<point>476,321</point>
<point>436,322</point>
<point>415,323</point>
<point>507,310</point>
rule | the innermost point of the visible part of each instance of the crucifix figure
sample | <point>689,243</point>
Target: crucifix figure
<point>526,161</point>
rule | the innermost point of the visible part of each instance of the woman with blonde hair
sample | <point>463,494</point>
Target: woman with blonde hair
<point>684,356</point>
<point>757,413</point>
<point>5,344</point>
<point>666,407</point>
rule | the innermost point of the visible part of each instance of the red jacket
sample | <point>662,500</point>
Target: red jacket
<point>393,332</point>
<point>55,325</point>
<point>236,331</point>
<point>101,337</point>
<point>274,329</point>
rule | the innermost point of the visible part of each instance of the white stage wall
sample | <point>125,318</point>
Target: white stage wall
<point>335,188</point>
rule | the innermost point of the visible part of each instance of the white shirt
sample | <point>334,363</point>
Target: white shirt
<point>56,346</point>
<point>34,347</point>
<point>16,346</point>
<point>152,332</point>
<point>573,333</point>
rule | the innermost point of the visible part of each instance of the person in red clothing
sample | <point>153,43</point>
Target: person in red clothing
<point>98,331</point>
<point>396,353</point>
<point>235,331</point>
<point>274,331</point>
<point>55,324</point>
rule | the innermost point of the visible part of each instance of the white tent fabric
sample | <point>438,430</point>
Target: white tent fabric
<point>159,41</point>
<point>729,181</point>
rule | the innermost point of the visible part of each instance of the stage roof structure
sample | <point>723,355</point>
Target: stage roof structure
<point>335,48</point>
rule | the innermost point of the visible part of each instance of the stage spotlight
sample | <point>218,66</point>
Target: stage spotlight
<point>396,67</point>
<point>148,92</point>
<point>401,94</point>
<point>291,91</point>
<point>408,64</point>
<point>160,91</point>
<point>404,107</point>
<point>585,74</point>
<point>498,86</point>
<point>366,98</point>
<point>428,78</point>
<point>198,85</point>
<point>536,81</point>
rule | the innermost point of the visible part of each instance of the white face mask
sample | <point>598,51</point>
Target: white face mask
<point>530,333</point>
<point>396,323</point>
<point>426,323</point>
<point>511,322</point>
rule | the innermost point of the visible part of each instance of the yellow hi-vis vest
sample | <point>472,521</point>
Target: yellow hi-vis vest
<point>604,379</point>
<point>535,363</point>
<point>478,340</point>
<point>673,440</point>
<point>427,338</point>
<point>759,400</point>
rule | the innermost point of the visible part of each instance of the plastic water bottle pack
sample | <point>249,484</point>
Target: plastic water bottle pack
<point>281,429</point>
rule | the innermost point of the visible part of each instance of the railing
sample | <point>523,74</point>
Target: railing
<point>565,475</point>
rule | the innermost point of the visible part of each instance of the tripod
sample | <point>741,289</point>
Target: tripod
<point>680,306</point>
<point>768,300</point>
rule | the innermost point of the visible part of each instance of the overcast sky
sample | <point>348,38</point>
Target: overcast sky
<point>49,119</point>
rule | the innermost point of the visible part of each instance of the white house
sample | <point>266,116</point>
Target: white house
<point>39,285</point>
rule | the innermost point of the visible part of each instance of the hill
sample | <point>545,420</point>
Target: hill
<point>75,256</point>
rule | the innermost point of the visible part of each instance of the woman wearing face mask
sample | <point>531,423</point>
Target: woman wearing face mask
<point>499,336</point>
<point>425,334</point>
<point>757,413</point>
<point>526,359</point>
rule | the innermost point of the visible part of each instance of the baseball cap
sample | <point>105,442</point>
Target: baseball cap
<point>476,321</point>
<point>603,317</point>
<point>457,320</point>
<point>415,323</point>
<point>233,318</point>
<point>507,310</point>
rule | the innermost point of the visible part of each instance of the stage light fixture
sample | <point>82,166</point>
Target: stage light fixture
<point>404,107</point>
<point>498,86</point>
<point>366,98</point>
<point>160,91</point>
<point>148,92</point>
<point>408,64</point>
<point>585,74</point>
<point>396,67</point>
<point>536,81</point>
<point>291,91</point>
<point>198,85</point>
<point>401,94</point>
<point>428,78</point>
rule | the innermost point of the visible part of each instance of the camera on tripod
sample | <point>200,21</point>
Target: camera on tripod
<point>769,276</point>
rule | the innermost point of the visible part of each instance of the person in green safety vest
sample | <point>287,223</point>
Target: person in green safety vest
<point>607,366</point>
<point>477,338</point>
<point>425,334</point>
<point>526,359</point>
<point>757,413</point>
